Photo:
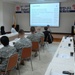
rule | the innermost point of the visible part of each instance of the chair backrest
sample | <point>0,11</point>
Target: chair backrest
<point>35,46</point>
<point>26,52</point>
<point>42,41</point>
<point>12,62</point>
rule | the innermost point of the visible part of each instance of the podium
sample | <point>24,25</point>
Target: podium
<point>17,28</point>
<point>73,30</point>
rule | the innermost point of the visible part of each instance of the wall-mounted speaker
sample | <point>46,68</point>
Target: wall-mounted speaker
<point>72,30</point>
<point>17,28</point>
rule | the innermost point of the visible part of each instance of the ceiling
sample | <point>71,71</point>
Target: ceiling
<point>35,1</point>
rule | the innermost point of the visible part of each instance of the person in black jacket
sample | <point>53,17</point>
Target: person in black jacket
<point>48,37</point>
<point>2,30</point>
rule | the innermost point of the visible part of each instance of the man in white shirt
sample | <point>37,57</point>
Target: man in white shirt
<point>13,29</point>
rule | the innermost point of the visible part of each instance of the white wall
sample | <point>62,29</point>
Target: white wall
<point>66,20</point>
<point>1,13</point>
<point>8,12</point>
<point>23,21</point>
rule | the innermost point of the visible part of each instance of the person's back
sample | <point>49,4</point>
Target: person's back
<point>2,30</point>
<point>23,42</point>
<point>46,34</point>
<point>48,37</point>
<point>39,33</point>
<point>34,36</point>
<point>5,52</point>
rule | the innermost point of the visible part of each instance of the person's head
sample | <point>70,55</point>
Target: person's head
<point>32,29</point>
<point>2,28</point>
<point>13,26</point>
<point>46,28</point>
<point>5,40</point>
<point>38,29</point>
<point>21,33</point>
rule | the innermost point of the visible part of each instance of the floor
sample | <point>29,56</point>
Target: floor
<point>39,66</point>
<point>58,37</point>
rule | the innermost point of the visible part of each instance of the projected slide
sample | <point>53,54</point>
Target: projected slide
<point>44,14</point>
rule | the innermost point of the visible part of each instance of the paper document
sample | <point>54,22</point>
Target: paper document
<point>63,56</point>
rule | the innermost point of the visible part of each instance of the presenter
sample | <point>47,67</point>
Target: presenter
<point>13,30</point>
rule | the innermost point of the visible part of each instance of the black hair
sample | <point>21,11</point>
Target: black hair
<point>4,40</point>
<point>45,28</point>
<point>32,29</point>
<point>47,25</point>
<point>13,26</point>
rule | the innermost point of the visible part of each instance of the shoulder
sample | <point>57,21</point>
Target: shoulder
<point>7,48</point>
<point>12,47</point>
<point>29,35</point>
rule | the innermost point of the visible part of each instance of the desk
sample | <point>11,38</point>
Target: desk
<point>11,36</point>
<point>62,61</point>
<point>15,38</point>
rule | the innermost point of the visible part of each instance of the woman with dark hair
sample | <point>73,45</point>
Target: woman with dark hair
<point>2,30</point>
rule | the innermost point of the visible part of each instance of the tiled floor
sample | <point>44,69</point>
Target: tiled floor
<point>39,66</point>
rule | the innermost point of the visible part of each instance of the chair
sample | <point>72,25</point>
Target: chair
<point>27,53</point>
<point>35,47</point>
<point>12,63</point>
<point>42,43</point>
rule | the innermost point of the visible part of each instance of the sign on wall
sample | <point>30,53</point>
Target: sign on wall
<point>22,8</point>
<point>26,8</point>
<point>68,8</point>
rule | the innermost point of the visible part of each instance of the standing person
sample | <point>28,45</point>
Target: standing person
<point>48,37</point>
<point>2,30</point>
<point>48,28</point>
<point>22,43</point>
<point>13,30</point>
<point>5,52</point>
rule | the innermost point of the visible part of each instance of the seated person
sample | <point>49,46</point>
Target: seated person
<point>2,30</point>
<point>23,42</point>
<point>33,36</point>
<point>48,37</point>
<point>40,34</point>
<point>5,52</point>
<point>13,30</point>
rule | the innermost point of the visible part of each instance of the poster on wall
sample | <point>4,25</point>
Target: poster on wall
<point>25,8</point>
<point>68,8</point>
<point>22,9</point>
